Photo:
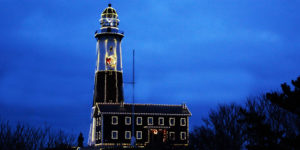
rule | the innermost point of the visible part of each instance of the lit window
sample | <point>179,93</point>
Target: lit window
<point>114,134</point>
<point>139,121</point>
<point>161,121</point>
<point>114,120</point>
<point>172,121</point>
<point>139,135</point>
<point>127,120</point>
<point>183,135</point>
<point>182,122</point>
<point>172,136</point>
<point>127,135</point>
<point>150,120</point>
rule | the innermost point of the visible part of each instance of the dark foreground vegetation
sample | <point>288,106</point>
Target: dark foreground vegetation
<point>268,122</point>
<point>25,137</point>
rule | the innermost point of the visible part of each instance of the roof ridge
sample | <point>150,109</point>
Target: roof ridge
<point>145,104</point>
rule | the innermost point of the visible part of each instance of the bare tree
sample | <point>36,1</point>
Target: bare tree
<point>27,137</point>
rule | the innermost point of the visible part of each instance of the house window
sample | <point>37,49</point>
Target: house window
<point>172,121</point>
<point>127,134</point>
<point>127,120</point>
<point>139,121</point>
<point>182,122</point>
<point>139,135</point>
<point>161,121</point>
<point>114,134</point>
<point>150,120</point>
<point>182,135</point>
<point>114,120</point>
<point>172,136</point>
<point>99,121</point>
<point>99,135</point>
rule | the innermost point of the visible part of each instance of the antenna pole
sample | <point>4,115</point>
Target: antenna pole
<point>133,140</point>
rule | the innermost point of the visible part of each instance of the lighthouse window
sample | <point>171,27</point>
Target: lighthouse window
<point>139,135</point>
<point>150,120</point>
<point>161,121</point>
<point>127,120</point>
<point>114,134</point>
<point>139,121</point>
<point>114,120</point>
<point>127,135</point>
<point>182,122</point>
<point>172,121</point>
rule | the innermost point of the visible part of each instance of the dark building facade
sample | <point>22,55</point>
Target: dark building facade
<point>116,123</point>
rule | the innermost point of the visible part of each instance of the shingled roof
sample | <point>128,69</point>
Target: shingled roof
<point>143,109</point>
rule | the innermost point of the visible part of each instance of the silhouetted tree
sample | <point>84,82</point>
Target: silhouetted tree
<point>80,140</point>
<point>288,99</point>
<point>220,131</point>
<point>270,121</point>
<point>24,136</point>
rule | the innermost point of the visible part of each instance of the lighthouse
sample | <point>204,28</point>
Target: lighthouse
<point>109,75</point>
<point>126,125</point>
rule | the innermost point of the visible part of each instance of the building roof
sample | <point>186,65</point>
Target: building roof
<point>143,109</point>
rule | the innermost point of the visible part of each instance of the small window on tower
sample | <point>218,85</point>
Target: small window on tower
<point>114,120</point>
<point>127,120</point>
<point>110,48</point>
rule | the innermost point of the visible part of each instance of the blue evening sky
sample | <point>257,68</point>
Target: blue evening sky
<point>201,52</point>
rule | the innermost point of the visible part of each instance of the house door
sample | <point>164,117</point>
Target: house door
<point>158,136</point>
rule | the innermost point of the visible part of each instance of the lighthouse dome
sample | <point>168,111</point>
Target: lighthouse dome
<point>109,12</point>
<point>109,17</point>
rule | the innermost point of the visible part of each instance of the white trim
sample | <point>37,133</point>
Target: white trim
<point>170,124</point>
<point>137,122</point>
<point>152,114</point>
<point>170,136</point>
<point>129,135</point>
<point>114,131</point>
<point>112,120</point>
<point>182,137</point>
<point>149,122</point>
<point>181,124</point>
<point>163,121</point>
<point>137,133</point>
<point>129,121</point>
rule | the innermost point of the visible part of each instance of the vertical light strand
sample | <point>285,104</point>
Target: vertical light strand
<point>116,70</point>
<point>105,49</point>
